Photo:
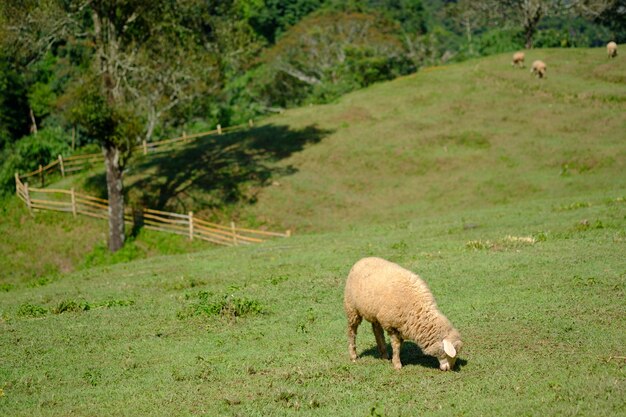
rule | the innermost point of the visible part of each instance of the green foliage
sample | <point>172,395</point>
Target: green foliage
<point>41,98</point>
<point>411,14</point>
<point>13,104</point>
<point>570,33</point>
<point>41,148</point>
<point>140,245</point>
<point>351,50</point>
<point>31,151</point>
<point>31,310</point>
<point>572,206</point>
<point>100,255</point>
<point>104,122</point>
<point>500,40</point>
<point>74,306</point>
<point>71,306</point>
<point>614,18</point>
<point>367,67</point>
<point>271,18</point>
<point>227,306</point>
<point>115,303</point>
<point>43,86</point>
<point>93,376</point>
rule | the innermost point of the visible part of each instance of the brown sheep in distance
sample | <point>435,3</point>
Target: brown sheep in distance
<point>397,300</point>
<point>539,68</point>
<point>518,59</point>
<point>611,49</point>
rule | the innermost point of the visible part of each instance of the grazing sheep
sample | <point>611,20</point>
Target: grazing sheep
<point>398,301</point>
<point>611,49</point>
<point>539,68</point>
<point>518,59</point>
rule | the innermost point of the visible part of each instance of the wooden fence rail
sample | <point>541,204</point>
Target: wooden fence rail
<point>74,163</point>
<point>188,225</point>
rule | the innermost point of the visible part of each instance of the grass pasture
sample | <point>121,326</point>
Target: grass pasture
<point>536,290</point>
<point>505,193</point>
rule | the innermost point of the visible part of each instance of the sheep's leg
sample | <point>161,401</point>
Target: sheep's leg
<point>353,324</point>
<point>380,340</point>
<point>396,345</point>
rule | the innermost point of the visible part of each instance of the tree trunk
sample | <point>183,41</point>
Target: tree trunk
<point>107,52</point>
<point>33,122</point>
<point>532,12</point>
<point>153,118</point>
<point>115,190</point>
<point>468,34</point>
<point>528,36</point>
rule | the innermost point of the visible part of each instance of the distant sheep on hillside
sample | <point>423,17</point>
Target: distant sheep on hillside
<point>539,69</point>
<point>611,49</point>
<point>518,59</point>
<point>398,301</point>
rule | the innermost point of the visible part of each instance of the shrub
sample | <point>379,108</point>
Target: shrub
<point>500,40</point>
<point>100,255</point>
<point>30,152</point>
<point>31,310</point>
<point>228,306</point>
<point>71,306</point>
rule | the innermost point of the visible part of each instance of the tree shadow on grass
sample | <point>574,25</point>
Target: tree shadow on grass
<point>214,171</point>
<point>411,354</point>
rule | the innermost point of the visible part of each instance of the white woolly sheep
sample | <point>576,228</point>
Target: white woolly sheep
<point>398,301</point>
<point>611,49</point>
<point>539,68</point>
<point>518,59</point>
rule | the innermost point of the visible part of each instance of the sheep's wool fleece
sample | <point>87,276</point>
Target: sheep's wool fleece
<point>384,292</point>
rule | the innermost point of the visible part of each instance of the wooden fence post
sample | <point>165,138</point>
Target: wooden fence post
<point>61,165</point>
<point>288,233</point>
<point>232,228</point>
<point>145,147</point>
<point>219,129</point>
<point>73,194</point>
<point>191,225</point>
<point>41,176</point>
<point>28,204</point>
<point>17,183</point>
<point>184,137</point>
<point>250,123</point>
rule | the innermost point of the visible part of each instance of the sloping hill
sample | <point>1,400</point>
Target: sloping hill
<point>504,192</point>
<point>473,135</point>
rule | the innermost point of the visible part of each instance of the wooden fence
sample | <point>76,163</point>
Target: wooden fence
<point>189,225</point>
<point>80,162</point>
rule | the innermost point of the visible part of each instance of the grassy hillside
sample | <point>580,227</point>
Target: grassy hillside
<point>463,136</point>
<point>505,193</point>
<point>472,135</point>
<point>537,291</point>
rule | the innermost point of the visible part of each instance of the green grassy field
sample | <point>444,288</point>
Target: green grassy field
<point>505,193</point>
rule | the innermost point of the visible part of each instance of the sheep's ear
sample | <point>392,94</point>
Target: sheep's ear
<point>449,348</point>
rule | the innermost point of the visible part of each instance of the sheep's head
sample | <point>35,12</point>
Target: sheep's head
<point>451,346</point>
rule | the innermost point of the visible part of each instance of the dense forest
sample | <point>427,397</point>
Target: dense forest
<point>104,74</point>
